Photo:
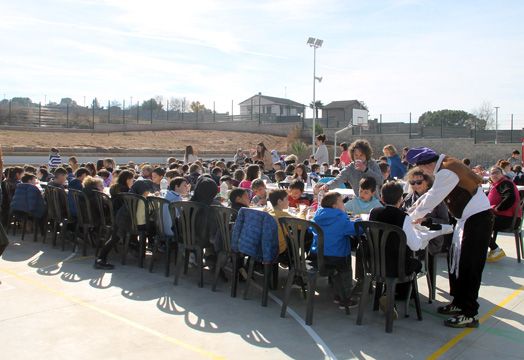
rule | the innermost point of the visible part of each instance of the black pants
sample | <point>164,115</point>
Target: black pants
<point>501,223</point>
<point>475,240</point>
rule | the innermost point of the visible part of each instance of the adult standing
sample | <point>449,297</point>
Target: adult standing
<point>398,170</point>
<point>345,158</point>
<point>504,200</point>
<point>362,166</point>
<point>263,154</point>
<point>321,155</point>
<point>240,157</point>
<point>460,188</point>
<point>189,156</point>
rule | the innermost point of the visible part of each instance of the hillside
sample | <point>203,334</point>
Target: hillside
<point>203,141</point>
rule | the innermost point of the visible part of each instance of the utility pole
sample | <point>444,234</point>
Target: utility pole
<point>497,124</point>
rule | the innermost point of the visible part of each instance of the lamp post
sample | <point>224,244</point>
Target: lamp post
<point>315,44</point>
<point>497,124</point>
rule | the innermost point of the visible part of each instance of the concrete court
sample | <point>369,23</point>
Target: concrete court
<point>53,310</point>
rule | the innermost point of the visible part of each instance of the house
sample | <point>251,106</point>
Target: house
<point>340,113</point>
<point>270,107</point>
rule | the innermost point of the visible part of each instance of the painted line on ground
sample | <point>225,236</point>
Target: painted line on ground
<point>107,313</point>
<point>454,341</point>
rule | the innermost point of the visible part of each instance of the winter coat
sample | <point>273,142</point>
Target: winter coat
<point>337,229</point>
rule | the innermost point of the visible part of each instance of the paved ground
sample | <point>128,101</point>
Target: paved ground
<point>62,310</point>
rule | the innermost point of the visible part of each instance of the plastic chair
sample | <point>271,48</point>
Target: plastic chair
<point>107,220</point>
<point>223,217</point>
<point>53,219</point>
<point>157,207</point>
<point>17,217</point>
<point>283,185</point>
<point>295,231</point>
<point>66,221</point>
<point>188,220</point>
<point>515,229</point>
<point>131,203</point>
<point>84,217</point>
<point>377,234</point>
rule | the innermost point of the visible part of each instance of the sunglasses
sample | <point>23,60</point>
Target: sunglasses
<point>416,182</point>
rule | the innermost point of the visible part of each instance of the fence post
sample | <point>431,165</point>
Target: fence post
<point>441,128</point>
<point>93,124</point>
<point>67,115</point>
<point>214,113</point>
<point>167,110</point>
<point>124,112</point>
<point>40,114</point>
<point>511,131</point>
<point>137,111</point>
<point>9,116</point>
<point>380,126</point>
<point>232,115</point>
<point>475,131</point>
<point>151,111</point>
<point>108,113</point>
<point>410,125</point>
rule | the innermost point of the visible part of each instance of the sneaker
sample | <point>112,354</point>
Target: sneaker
<point>449,309</point>
<point>462,321</point>
<point>336,299</point>
<point>349,303</point>
<point>103,265</point>
<point>383,305</point>
<point>495,255</point>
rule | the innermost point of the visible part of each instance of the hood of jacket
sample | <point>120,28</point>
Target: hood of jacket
<point>329,216</point>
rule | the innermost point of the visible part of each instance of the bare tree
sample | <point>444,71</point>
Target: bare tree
<point>485,113</point>
<point>175,104</point>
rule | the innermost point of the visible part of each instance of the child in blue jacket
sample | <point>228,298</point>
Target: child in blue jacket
<point>337,228</point>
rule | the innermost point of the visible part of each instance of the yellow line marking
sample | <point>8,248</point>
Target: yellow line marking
<point>114,316</point>
<point>447,346</point>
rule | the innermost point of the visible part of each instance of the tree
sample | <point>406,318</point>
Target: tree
<point>485,113</point>
<point>21,101</point>
<point>175,104</point>
<point>96,104</point>
<point>196,106</point>
<point>318,105</point>
<point>446,117</point>
<point>152,104</point>
<point>67,102</point>
<point>115,105</point>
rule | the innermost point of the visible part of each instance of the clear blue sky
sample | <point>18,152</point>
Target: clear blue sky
<point>397,56</point>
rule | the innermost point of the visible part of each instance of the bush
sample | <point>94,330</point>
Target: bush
<point>318,128</point>
<point>300,149</point>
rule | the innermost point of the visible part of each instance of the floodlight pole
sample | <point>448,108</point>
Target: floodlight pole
<point>497,124</point>
<point>314,104</point>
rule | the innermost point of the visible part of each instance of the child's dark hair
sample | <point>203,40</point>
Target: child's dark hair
<point>280,175</point>
<point>235,194</point>
<point>276,195</point>
<point>257,184</point>
<point>391,193</point>
<point>330,199</point>
<point>315,167</point>
<point>103,173</point>
<point>27,177</point>
<point>159,171</point>
<point>321,137</point>
<point>60,171</point>
<point>383,167</point>
<point>176,182</point>
<point>81,171</point>
<point>252,172</point>
<point>297,184</point>
<point>368,183</point>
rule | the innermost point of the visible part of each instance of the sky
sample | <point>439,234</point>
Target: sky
<point>397,56</point>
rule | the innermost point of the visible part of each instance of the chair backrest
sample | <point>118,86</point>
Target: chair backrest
<point>283,185</point>
<point>83,208</point>
<point>105,209</point>
<point>517,221</point>
<point>61,204</point>
<point>295,231</point>
<point>53,213</point>
<point>157,206</point>
<point>131,202</point>
<point>223,216</point>
<point>377,235</point>
<point>190,216</point>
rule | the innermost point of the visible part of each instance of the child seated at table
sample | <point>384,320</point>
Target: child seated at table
<point>238,199</point>
<point>392,214</point>
<point>258,188</point>
<point>280,176</point>
<point>366,200</point>
<point>314,175</point>
<point>337,227</point>
<point>280,203</point>
<point>296,194</point>
<point>177,189</point>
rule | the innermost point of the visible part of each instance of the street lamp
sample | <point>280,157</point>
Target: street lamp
<point>314,43</point>
<point>497,124</point>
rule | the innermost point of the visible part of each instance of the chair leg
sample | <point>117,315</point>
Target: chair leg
<point>24,223</point>
<point>141,249</point>
<point>521,244</point>
<point>312,285</point>
<point>408,298</point>
<point>379,288</point>
<point>179,263</point>
<point>364,298</point>
<point>186,261</point>
<point>390,293</point>
<point>287,291</point>
<point>85,232</point>
<point>200,262</point>
<point>35,230</point>
<point>169,249</point>
<point>234,281</point>
<point>154,255</point>
<point>125,248</point>
<point>417,300</point>
<point>517,244</point>
<point>274,279</point>
<point>221,262</point>
<point>267,280</point>
<point>251,265</point>
<point>56,227</point>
